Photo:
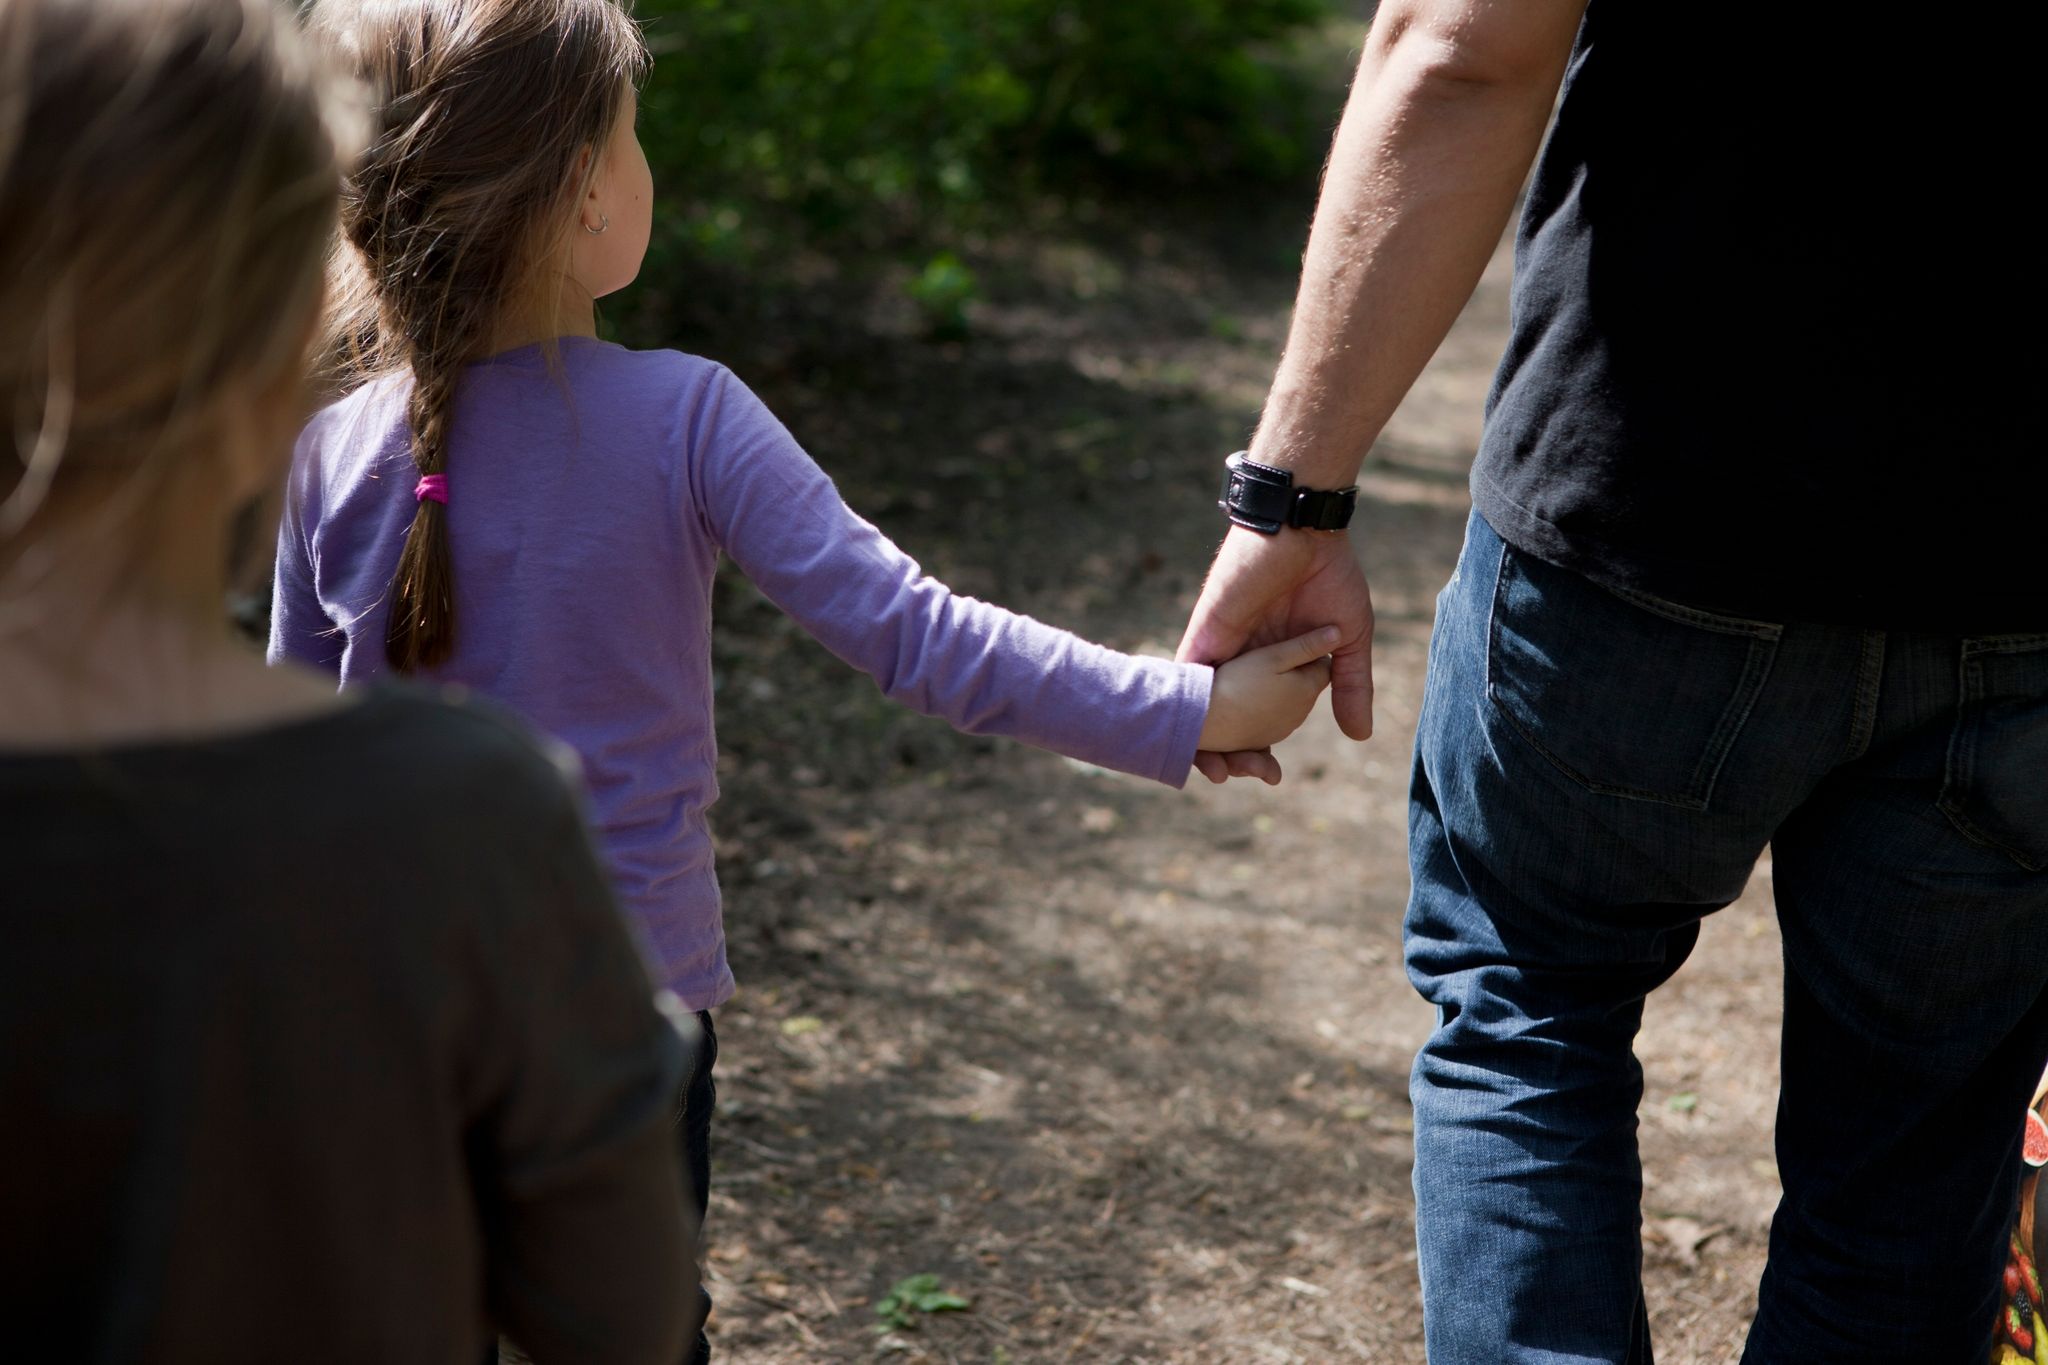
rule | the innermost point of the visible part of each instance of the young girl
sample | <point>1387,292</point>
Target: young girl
<point>508,503</point>
<point>321,1038</point>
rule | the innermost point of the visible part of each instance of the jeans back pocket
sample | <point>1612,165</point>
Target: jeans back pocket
<point>1995,789</point>
<point>1627,694</point>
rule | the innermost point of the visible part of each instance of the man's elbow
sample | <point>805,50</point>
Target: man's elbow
<point>1475,47</point>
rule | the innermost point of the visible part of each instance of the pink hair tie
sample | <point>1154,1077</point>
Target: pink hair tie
<point>433,486</point>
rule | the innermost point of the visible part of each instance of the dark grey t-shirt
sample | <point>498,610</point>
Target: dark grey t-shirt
<point>327,1043</point>
<point>1778,337</point>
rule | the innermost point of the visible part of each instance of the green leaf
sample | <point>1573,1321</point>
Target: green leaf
<point>914,1295</point>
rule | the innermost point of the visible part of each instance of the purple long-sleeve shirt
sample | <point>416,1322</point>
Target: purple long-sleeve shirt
<point>587,507</point>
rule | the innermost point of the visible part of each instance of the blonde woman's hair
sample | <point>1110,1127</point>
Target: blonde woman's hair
<point>169,171</point>
<point>483,111</point>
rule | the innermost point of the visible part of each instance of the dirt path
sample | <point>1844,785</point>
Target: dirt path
<point>1123,1067</point>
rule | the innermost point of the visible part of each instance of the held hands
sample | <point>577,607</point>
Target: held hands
<point>1264,589</point>
<point>1261,697</point>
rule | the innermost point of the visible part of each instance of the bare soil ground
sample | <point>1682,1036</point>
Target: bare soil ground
<point>1125,1068</point>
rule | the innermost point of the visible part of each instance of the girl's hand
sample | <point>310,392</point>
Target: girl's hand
<point>1265,588</point>
<point>1261,697</point>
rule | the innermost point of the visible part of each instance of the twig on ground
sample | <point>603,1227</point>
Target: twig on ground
<point>803,1330</point>
<point>765,1152</point>
<point>1086,1333</point>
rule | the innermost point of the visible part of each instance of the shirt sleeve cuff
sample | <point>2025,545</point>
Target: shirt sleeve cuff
<point>1192,683</point>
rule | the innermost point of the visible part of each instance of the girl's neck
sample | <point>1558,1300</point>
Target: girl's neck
<point>546,314</point>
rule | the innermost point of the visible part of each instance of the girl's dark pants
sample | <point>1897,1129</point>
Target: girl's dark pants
<point>693,1134</point>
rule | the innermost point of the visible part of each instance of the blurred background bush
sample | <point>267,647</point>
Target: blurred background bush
<point>859,128</point>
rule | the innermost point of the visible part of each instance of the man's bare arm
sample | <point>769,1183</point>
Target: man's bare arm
<point>1444,119</point>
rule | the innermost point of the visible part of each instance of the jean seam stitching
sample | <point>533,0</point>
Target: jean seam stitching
<point>1756,670</point>
<point>1960,769</point>
<point>1869,678</point>
<point>1956,769</point>
<point>1978,645</point>
<point>1693,616</point>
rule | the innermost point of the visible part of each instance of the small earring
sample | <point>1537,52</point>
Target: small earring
<point>603,225</point>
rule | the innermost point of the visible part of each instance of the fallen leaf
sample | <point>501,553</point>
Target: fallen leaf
<point>1100,819</point>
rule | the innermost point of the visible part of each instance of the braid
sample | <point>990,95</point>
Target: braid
<point>422,629</point>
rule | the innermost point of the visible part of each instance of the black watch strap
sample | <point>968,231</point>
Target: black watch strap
<point>1264,499</point>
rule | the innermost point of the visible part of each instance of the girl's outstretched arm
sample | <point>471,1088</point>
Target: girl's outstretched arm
<point>981,668</point>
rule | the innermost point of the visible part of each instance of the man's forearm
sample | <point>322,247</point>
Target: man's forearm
<point>1433,149</point>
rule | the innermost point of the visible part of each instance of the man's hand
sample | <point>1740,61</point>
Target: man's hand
<point>1265,589</point>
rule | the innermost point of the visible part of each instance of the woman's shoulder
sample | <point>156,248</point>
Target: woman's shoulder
<point>489,819</point>
<point>434,779</point>
<point>445,747</point>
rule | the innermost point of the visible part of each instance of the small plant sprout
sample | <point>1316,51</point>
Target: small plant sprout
<point>913,1297</point>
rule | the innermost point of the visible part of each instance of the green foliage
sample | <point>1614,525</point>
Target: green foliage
<point>942,291</point>
<point>912,1296</point>
<point>862,120</point>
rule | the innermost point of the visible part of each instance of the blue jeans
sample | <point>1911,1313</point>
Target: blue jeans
<point>1596,770</point>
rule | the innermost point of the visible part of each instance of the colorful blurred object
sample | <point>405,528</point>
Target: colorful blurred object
<point>2022,1336</point>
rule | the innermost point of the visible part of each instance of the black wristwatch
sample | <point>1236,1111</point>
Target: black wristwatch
<point>1264,499</point>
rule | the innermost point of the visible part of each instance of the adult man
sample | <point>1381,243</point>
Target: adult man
<point>1757,559</point>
